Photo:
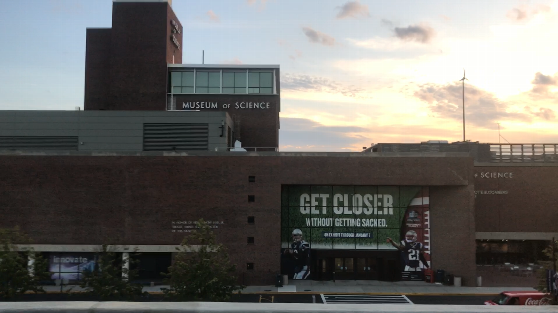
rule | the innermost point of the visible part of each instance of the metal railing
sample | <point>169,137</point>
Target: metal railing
<point>524,152</point>
<point>246,149</point>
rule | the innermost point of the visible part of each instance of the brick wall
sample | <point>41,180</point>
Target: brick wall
<point>134,199</point>
<point>529,204</point>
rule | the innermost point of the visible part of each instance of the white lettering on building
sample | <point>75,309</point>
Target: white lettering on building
<point>494,175</point>
<point>381,204</point>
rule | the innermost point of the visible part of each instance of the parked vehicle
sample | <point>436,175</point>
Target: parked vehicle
<point>520,298</point>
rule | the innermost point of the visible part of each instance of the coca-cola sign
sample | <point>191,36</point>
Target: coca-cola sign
<point>543,301</point>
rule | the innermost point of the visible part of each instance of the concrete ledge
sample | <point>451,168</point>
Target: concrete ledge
<point>515,235</point>
<point>98,248</point>
<point>214,307</point>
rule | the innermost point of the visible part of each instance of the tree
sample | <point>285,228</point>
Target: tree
<point>551,251</point>
<point>16,275</point>
<point>202,273</point>
<point>109,279</point>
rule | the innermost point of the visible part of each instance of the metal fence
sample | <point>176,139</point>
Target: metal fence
<point>246,149</point>
<point>523,152</point>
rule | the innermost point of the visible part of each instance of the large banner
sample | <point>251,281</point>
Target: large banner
<point>354,217</point>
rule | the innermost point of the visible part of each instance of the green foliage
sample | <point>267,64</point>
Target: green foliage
<point>201,273</point>
<point>108,279</point>
<point>16,277</point>
<point>547,265</point>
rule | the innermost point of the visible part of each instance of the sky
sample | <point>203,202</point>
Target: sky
<point>353,73</point>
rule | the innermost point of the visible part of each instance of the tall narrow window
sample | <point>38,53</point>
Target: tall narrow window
<point>260,82</point>
<point>208,82</point>
<point>182,82</point>
<point>234,82</point>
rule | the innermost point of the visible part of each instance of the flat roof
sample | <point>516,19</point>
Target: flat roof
<point>169,1</point>
<point>236,66</point>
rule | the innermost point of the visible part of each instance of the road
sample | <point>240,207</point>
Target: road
<point>365,299</point>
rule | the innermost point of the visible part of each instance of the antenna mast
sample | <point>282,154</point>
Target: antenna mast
<point>463,80</point>
<point>499,136</point>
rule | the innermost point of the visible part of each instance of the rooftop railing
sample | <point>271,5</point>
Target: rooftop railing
<point>521,152</point>
<point>246,149</point>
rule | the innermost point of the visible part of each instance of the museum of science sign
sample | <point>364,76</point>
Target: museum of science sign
<point>240,105</point>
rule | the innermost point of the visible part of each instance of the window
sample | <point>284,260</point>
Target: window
<point>182,82</point>
<point>260,82</point>
<point>250,266</point>
<point>252,179</point>
<point>208,82</point>
<point>214,81</point>
<point>250,240</point>
<point>234,82</point>
<point>251,220</point>
<point>251,198</point>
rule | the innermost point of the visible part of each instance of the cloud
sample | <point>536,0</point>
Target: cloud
<point>261,5</point>
<point>525,12</point>
<point>283,43</point>
<point>544,113</point>
<point>543,84</point>
<point>301,134</point>
<point>353,9</point>
<point>482,108</point>
<point>212,16</point>
<point>307,83</point>
<point>386,23</point>
<point>517,14</point>
<point>418,33</point>
<point>541,79</point>
<point>233,61</point>
<point>296,55</point>
<point>318,37</point>
<point>408,49</point>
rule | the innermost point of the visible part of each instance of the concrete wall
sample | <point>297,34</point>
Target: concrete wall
<point>107,131</point>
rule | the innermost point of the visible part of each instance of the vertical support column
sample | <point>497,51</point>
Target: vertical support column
<point>125,265</point>
<point>31,264</point>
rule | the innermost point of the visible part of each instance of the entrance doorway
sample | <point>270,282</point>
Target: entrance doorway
<point>355,265</point>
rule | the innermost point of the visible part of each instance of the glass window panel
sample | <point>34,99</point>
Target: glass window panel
<point>214,90</point>
<point>266,90</point>
<point>187,78</point>
<point>176,79</point>
<point>339,265</point>
<point>214,79</point>
<point>201,89</point>
<point>266,80</point>
<point>201,79</point>
<point>240,90</point>
<point>176,89</point>
<point>187,89</point>
<point>228,79</point>
<point>240,80</point>
<point>228,90</point>
<point>253,90</point>
<point>349,265</point>
<point>254,80</point>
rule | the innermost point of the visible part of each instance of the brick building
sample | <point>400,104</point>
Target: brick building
<point>153,152</point>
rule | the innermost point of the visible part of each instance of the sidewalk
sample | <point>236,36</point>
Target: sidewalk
<point>352,287</point>
<point>379,287</point>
